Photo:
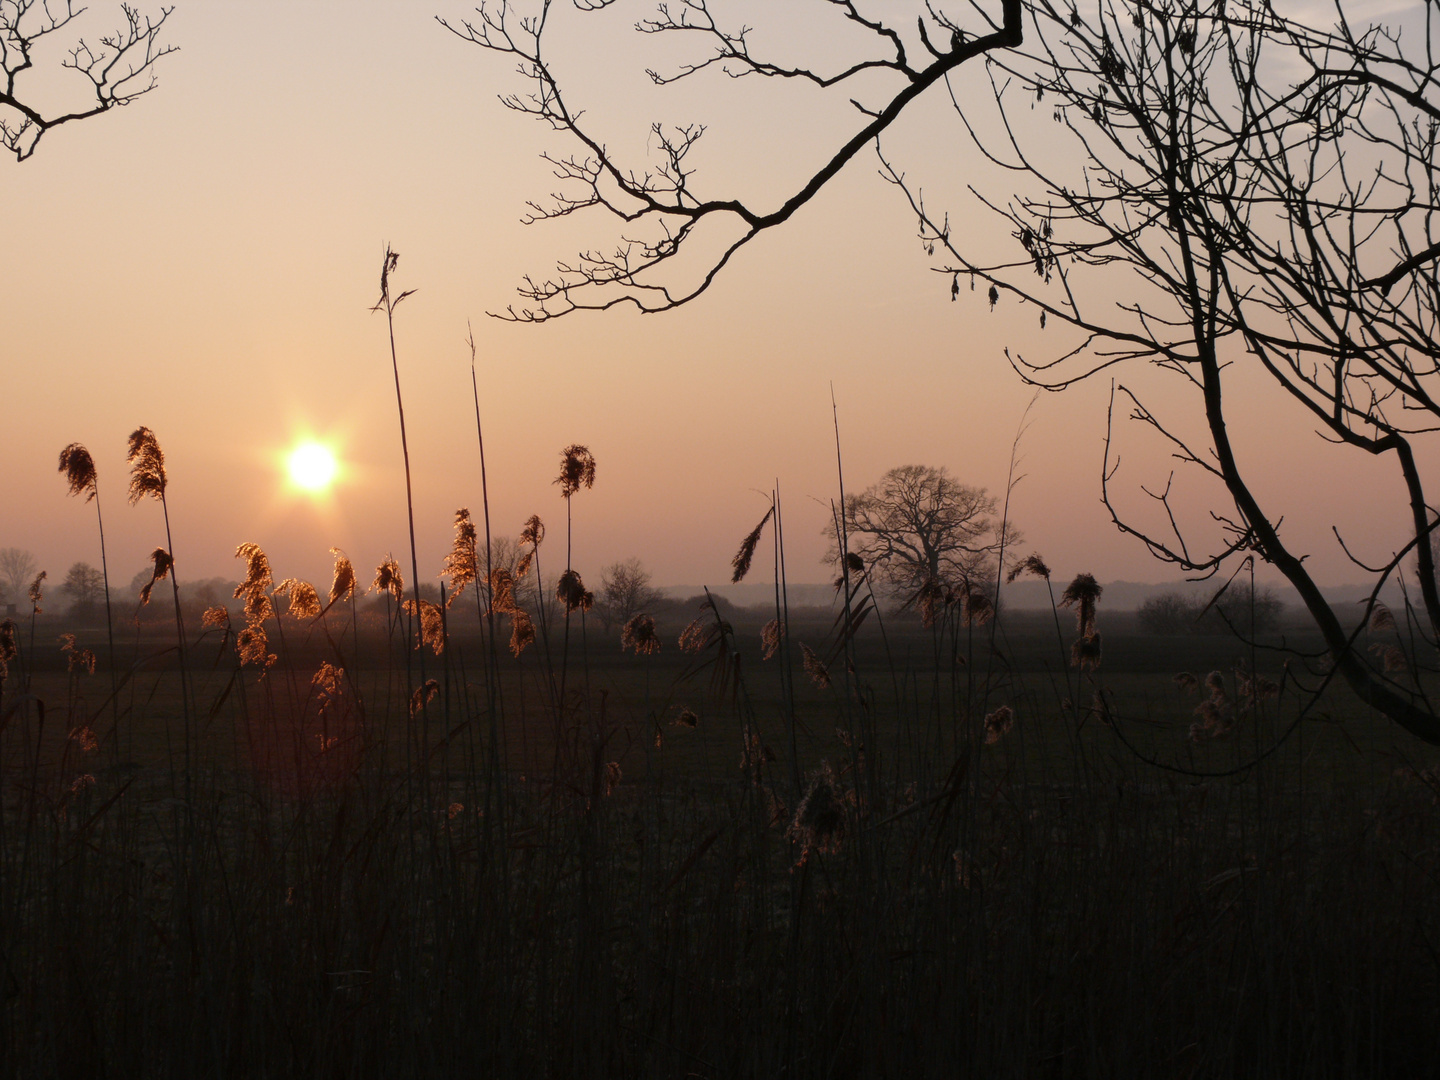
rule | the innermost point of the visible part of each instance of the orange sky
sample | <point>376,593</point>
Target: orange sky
<point>203,263</point>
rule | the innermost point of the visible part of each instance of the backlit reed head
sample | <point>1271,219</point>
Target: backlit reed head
<point>432,625</point>
<point>502,591</point>
<point>304,600</point>
<point>257,571</point>
<point>979,609</point>
<point>461,565</point>
<point>815,668</point>
<point>147,466</point>
<point>522,631</point>
<point>253,647</point>
<point>1085,653</point>
<point>695,636</point>
<point>639,634</point>
<point>571,592</point>
<point>8,648</point>
<point>162,564</point>
<point>770,637</point>
<point>36,592</point>
<point>533,533</point>
<point>1031,564</point>
<point>1082,594</point>
<point>577,469</point>
<point>741,562</point>
<point>389,579</point>
<point>998,723</point>
<point>342,586</point>
<point>928,600</point>
<point>423,695</point>
<point>821,819</point>
<point>79,469</point>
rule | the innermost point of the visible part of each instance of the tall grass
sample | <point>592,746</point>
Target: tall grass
<point>683,864</point>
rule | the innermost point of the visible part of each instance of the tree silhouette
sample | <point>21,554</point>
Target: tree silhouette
<point>918,526</point>
<point>84,585</point>
<point>663,201</point>
<point>1259,195</point>
<point>17,567</point>
<point>118,68</point>
<point>625,590</point>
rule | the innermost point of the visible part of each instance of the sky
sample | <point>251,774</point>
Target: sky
<point>204,261</point>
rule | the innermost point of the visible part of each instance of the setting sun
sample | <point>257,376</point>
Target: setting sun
<point>312,466</point>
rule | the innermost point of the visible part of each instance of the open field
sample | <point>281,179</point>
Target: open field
<point>273,888</point>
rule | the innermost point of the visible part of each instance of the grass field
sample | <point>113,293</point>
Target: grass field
<point>270,887</point>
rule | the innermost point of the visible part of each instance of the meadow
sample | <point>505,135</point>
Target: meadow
<point>701,862</point>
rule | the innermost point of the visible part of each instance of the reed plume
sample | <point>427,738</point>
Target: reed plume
<point>147,466</point>
<point>979,609</point>
<point>1082,594</point>
<point>82,479</point>
<point>343,584</point>
<point>162,565</point>
<point>533,533</point>
<point>639,634</point>
<point>8,647</point>
<point>695,636</point>
<point>928,601</point>
<point>79,469</point>
<point>36,593</point>
<point>770,637</point>
<point>577,469</point>
<point>1085,653</point>
<point>432,625</point>
<point>423,695</point>
<point>462,564</point>
<point>304,600</point>
<point>741,562</point>
<point>257,570</point>
<point>253,647</point>
<point>254,590</point>
<point>502,592</point>
<point>389,579</point>
<point>998,723</point>
<point>82,660</point>
<point>329,685</point>
<point>1031,564</point>
<point>571,592</point>
<point>815,668</point>
<point>612,777</point>
<point>821,820</point>
<point>522,631</point>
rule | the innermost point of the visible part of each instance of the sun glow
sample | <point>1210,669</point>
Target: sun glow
<point>312,466</point>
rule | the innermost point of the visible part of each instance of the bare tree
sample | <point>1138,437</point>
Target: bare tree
<point>625,590</point>
<point>118,68</point>
<point>1261,194</point>
<point>84,585</point>
<point>17,567</point>
<point>662,201</point>
<point>917,526</point>
<point>1271,190</point>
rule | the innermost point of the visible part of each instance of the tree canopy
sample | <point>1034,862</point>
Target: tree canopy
<point>917,525</point>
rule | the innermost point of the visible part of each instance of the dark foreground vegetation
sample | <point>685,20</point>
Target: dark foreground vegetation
<point>667,877</point>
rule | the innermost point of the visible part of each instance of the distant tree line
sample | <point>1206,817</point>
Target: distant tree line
<point>1234,610</point>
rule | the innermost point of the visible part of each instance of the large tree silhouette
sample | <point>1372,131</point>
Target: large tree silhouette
<point>1258,193</point>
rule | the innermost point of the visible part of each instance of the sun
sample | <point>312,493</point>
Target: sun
<point>312,466</point>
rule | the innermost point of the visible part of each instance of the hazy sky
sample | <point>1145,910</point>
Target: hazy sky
<point>203,263</point>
